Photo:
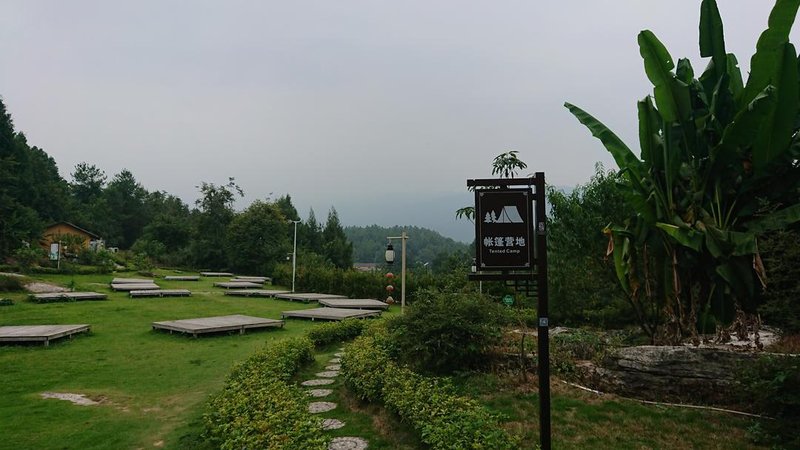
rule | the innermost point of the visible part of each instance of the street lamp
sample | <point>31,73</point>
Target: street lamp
<point>389,256</point>
<point>294,252</point>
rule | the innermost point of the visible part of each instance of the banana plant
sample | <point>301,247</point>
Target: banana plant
<point>718,166</point>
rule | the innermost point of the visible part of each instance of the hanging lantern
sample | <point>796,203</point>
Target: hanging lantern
<point>389,288</point>
<point>390,275</point>
<point>389,255</point>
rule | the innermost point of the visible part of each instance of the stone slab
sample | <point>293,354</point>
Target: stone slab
<point>330,313</point>
<point>39,333</point>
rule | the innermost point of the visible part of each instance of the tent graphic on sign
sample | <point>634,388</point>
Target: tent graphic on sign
<point>509,214</point>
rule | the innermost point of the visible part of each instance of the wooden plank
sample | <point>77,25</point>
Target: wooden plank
<point>216,274</point>
<point>39,333</point>
<point>353,303</point>
<point>307,297</point>
<point>237,285</point>
<point>134,287</point>
<point>201,325</point>
<point>132,280</point>
<point>77,296</point>
<point>161,293</point>
<point>182,278</point>
<point>330,313</point>
<point>254,292</point>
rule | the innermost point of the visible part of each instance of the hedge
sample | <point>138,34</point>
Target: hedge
<point>331,332</point>
<point>259,409</point>
<point>443,419</point>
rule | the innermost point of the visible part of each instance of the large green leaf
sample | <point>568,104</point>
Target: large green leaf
<point>735,75</point>
<point>741,133</point>
<point>769,49</point>
<point>624,157</point>
<point>686,237</point>
<point>649,130</point>
<point>672,95</point>
<point>712,40</point>
<point>776,132</point>
<point>775,220</point>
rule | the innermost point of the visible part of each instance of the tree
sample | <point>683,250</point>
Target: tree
<point>257,239</point>
<point>335,245</point>
<point>504,165</point>
<point>309,234</point>
<point>87,182</point>
<point>718,167</point>
<point>211,224</point>
<point>125,199</point>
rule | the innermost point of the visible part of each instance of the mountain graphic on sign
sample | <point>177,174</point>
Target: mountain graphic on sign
<point>509,214</point>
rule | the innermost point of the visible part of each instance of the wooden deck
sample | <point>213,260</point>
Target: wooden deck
<point>202,325</point>
<point>39,333</point>
<point>182,278</point>
<point>307,297</point>
<point>259,280</point>
<point>134,286</point>
<point>237,285</point>
<point>353,303</point>
<point>254,292</point>
<point>74,296</point>
<point>216,274</point>
<point>330,314</point>
<point>132,281</point>
<point>161,293</point>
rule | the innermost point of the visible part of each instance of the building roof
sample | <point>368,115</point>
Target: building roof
<point>92,235</point>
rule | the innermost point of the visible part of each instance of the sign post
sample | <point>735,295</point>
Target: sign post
<point>511,246</point>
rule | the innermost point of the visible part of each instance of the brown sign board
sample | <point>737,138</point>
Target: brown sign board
<point>504,229</point>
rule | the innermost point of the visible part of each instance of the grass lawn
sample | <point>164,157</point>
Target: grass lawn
<point>152,384</point>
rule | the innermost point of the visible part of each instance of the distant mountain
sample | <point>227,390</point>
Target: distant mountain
<point>423,245</point>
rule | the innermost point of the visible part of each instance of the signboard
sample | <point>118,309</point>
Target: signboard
<point>54,251</point>
<point>503,224</point>
<point>508,300</point>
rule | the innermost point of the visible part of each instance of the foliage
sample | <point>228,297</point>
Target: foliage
<point>583,285</point>
<point>258,408</point>
<point>574,345</point>
<point>10,283</point>
<point>443,419</point>
<point>335,245</point>
<point>771,385</point>
<point>6,302</point>
<point>211,223</point>
<point>331,332</point>
<point>504,165</point>
<point>445,332</point>
<point>257,238</point>
<point>781,253</point>
<point>717,168</point>
<point>28,256</point>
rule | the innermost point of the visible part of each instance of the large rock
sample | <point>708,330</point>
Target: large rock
<point>697,375</point>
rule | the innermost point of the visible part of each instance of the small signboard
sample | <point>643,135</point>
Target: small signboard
<point>508,300</point>
<point>54,251</point>
<point>503,224</point>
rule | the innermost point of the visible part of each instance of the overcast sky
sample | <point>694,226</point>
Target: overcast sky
<point>370,106</point>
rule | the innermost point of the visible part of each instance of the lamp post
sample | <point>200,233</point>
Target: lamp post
<point>389,256</point>
<point>294,252</point>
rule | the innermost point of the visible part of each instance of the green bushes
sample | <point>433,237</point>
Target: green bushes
<point>259,409</point>
<point>10,283</point>
<point>337,331</point>
<point>772,386</point>
<point>443,419</point>
<point>6,302</point>
<point>445,332</point>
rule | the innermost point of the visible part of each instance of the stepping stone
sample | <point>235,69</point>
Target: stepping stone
<point>328,374</point>
<point>332,424</point>
<point>318,382</point>
<point>348,443</point>
<point>338,355</point>
<point>319,392</point>
<point>334,367</point>
<point>335,360</point>
<point>320,407</point>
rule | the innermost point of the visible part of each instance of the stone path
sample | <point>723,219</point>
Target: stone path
<point>325,378</point>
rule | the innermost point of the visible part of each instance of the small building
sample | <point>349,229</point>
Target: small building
<point>71,237</point>
<point>366,267</point>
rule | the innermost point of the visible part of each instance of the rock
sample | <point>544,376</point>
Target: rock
<point>321,407</point>
<point>328,374</point>
<point>319,382</point>
<point>348,443</point>
<point>332,424</point>
<point>319,392</point>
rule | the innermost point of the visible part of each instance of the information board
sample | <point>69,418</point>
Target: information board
<point>503,226</point>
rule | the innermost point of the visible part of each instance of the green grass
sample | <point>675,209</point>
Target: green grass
<point>152,385</point>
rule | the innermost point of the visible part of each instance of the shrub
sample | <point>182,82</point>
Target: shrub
<point>10,283</point>
<point>336,331</point>
<point>443,419</point>
<point>444,333</point>
<point>6,302</point>
<point>258,408</point>
<point>28,257</point>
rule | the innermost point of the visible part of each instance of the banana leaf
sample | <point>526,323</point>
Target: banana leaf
<point>712,40</point>
<point>775,220</point>
<point>672,95</point>
<point>685,237</point>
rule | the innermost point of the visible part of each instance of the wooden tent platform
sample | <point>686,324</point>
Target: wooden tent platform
<point>161,293</point>
<point>353,303</point>
<point>39,333</point>
<point>182,278</point>
<point>259,280</point>
<point>132,281</point>
<point>134,286</point>
<point>331,313</point>
<point>216,274</point>
<point>236,322</point>
<point>74,296</point>
<point>254,292</point>
<point>307,297</point>
<point>237,285</point>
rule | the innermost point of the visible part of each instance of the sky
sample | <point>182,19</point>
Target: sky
<point>381,109</point>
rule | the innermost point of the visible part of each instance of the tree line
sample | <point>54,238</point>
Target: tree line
<point>155,225</point>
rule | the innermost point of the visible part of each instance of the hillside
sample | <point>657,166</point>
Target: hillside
<point>424,245</point>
